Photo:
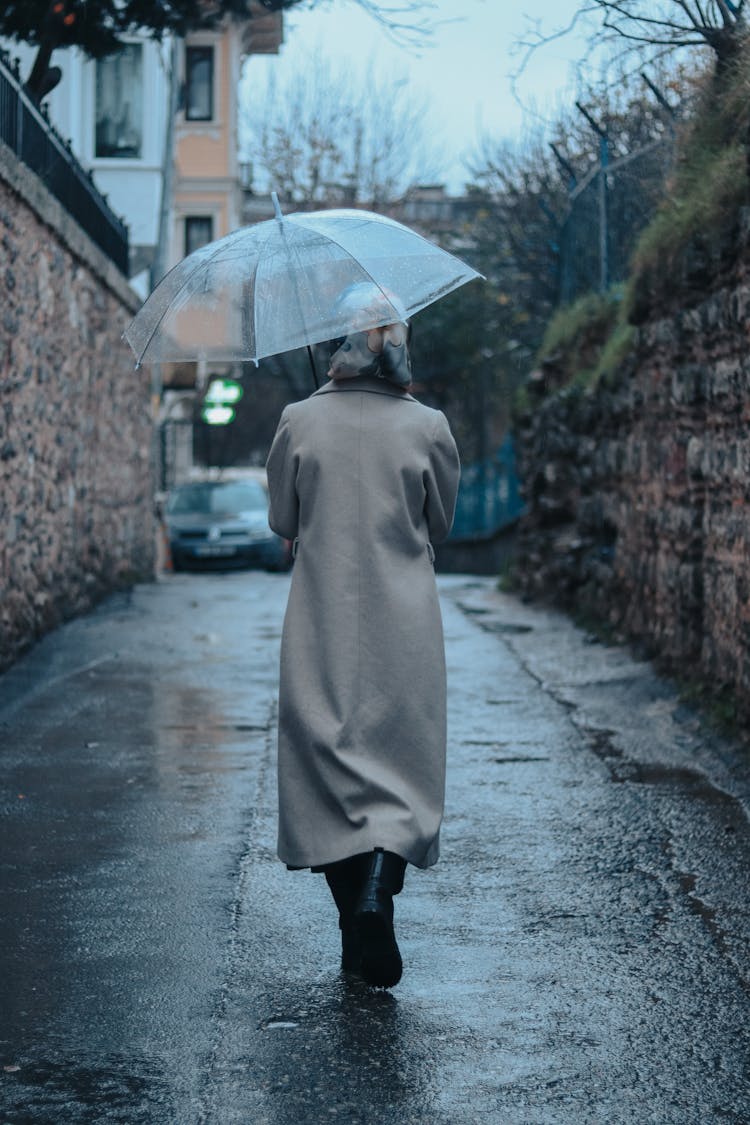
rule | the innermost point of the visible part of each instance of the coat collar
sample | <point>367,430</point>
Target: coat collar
<point>370,383</point>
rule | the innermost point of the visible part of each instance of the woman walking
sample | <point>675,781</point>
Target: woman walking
<point>363,478</point>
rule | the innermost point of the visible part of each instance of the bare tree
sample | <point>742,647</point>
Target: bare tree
<point>650,30</point>
<point>539,236</point>
<point>403,20</point>
<point>328,134</point>
<point>719,24</point>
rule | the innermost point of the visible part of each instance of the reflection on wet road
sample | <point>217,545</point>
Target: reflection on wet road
<point>580,954</point>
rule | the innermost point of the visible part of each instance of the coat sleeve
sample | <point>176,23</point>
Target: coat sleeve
<point>441,481</point>
<point>281,467</point>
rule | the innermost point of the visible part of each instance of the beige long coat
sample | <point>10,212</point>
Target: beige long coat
<point>364,477</point>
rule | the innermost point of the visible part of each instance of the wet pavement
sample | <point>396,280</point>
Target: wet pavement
<point>581,954</point>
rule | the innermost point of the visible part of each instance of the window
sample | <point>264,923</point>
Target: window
<point>119,104</point>
<point>230,498</point>
<point>199,229</point>
<point>199,83</point>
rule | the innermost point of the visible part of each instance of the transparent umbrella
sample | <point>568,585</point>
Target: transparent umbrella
<point>287,283</point>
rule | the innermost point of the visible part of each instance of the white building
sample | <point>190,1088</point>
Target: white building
<point>115,112</point>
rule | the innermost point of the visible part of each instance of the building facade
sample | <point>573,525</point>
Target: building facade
<point>116,112</point>
<point>157,127</point>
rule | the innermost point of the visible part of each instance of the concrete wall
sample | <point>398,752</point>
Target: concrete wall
<point>76,485</point>
<point>639,492</point>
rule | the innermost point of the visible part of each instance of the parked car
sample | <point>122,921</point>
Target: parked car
<point>223,522</point>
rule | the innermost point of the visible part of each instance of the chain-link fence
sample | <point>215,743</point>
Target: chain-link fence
<point>607,210</point>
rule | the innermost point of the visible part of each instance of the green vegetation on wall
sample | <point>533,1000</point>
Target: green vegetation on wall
<point>585,341</point>
<point>588,340</point>
<point>708,186</point>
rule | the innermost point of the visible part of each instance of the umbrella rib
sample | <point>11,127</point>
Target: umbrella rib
<point>291,251</point>
<point>335,241</point>
<point>167,308</point>
<point>259,261</point>
<point>254,321</point>
<point>354,258</point>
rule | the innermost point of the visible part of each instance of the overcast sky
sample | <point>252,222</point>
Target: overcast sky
<point>466,73</point>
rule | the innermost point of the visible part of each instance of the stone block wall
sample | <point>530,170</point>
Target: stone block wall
<point>76,484</point>
<point>639,491</point>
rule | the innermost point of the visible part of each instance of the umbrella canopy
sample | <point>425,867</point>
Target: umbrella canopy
<point>288,282</point>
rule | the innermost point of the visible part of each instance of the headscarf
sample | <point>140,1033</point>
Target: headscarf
<point>382,351</point>
<point>355,356</point>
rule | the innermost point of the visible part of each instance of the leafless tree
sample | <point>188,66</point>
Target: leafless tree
<point>719,24</point>
<point>330,134</point>
<point>409,23</point>
<point>406,21</point>
<point>650,30</point>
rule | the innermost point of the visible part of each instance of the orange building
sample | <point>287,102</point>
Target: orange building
<point>207,196</point>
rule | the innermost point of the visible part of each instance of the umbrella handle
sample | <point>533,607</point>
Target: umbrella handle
<point>312,365</point>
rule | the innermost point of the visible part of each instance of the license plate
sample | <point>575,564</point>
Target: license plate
<point>213,552</point>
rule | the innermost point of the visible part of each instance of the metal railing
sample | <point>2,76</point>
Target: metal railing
<point>34,141</point>
<point>606,213</point>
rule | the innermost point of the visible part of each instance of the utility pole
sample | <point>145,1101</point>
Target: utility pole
<point>603,215</point>
<point>159,266</point>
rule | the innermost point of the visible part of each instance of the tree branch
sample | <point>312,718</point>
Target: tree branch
<point>543,40</point>
<point>701,14</point>
<point>651,41</point>
<point>724,12</point>
<point>698,21</point>
<point>615,7</point>
<point>411,33</point>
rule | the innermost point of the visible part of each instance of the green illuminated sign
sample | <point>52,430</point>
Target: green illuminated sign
<point>217,414</point>
<point>224,391</point>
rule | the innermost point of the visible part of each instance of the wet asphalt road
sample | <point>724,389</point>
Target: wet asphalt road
<point>579,955</point>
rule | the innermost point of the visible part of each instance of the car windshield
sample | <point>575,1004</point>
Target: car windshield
<point>225,499</point>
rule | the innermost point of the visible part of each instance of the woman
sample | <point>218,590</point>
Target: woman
<point>363,478</point>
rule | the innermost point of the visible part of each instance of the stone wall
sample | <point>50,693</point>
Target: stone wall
<point>76,489</point>
<point>639,491</point>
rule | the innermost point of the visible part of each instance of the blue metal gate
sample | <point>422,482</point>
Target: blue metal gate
<point>488,498</point>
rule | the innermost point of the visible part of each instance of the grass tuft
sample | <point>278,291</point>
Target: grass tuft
<point>585,321</point>
<point>709,184</point>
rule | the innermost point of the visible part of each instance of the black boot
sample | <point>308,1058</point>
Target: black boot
<point>345,882</point>
<point>381,964</point>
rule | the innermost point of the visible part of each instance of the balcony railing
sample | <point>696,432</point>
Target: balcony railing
<point>34,141</point>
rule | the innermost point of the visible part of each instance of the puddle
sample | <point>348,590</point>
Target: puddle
<point>600,741</point>
<point>508,628</point>
<point>205,727</point>
<point>646,773</point>
<point>511,761</point>
<point>505,627</point>
<point>495,744</point>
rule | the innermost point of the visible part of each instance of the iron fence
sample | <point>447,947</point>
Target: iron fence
<point>607,210</point>
<point>34,141</point>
